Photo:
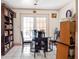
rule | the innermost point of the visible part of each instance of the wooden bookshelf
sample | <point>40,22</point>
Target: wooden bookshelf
<point>7,36</point>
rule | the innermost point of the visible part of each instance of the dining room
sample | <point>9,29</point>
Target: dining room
<point>39,29</point>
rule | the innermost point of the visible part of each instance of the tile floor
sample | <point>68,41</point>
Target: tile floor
<point>15,53</point>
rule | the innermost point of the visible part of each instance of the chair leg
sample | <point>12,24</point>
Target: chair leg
<point>34,55</point>
<point>52,46</point>
<point>22,48</point>
<point>30,46</point>
<point>44,54</point>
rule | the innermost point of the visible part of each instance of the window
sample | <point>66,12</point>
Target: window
<point>28,27</point>
<point>29,23</point>
<point>41,23</point>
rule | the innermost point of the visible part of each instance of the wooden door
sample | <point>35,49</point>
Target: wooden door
<point>62,51</point>
<point>65,32</point>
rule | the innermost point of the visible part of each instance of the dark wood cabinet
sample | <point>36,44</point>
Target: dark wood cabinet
<point>66,45</point>
<point>7,36</point>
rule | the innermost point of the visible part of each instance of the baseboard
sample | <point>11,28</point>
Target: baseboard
<point>17,44</point>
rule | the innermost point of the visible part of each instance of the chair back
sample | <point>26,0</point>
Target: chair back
<point>22,37</point>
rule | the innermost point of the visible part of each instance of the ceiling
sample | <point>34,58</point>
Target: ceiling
<point>42,4</point>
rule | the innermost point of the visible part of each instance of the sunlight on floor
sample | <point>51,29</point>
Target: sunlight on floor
<point>15,53</point>
<point>26,50</point>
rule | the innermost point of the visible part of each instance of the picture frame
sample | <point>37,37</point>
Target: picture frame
<point>68,13</point>
<point>54,15</point>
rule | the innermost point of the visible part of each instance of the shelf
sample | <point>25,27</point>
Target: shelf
<point>6,23</point>
<point>12,40</point>
<point>72,46</point>
<point>70,56</point>
<point>11,29</point>
<point>8,17</point>
<point>6,36</point>
<point>11,23</point>
<point>8,49</point>
<point>8,29</point>
<point>7,42</point>
<point>11,34</point>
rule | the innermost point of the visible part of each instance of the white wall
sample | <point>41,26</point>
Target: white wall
<point>53,22</point>
<point>70,6</point>
<point>62,12</point>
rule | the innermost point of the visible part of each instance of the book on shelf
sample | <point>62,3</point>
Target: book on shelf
<point>6,12</point>
<point>10,32</point>
<point>9,14</point>
<point>6,33</point>
<point>6,21</point>
<point>11,26</point>
<point>6,48</point>
<point>6,18</point>
<point>11,44</point>
<point>10,21</point>
<point>7,40</point>
<point>11,37</point>
<point>71,52</point>
<point>7,26</point>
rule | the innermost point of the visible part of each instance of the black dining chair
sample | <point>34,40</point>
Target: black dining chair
<point>40,44</point>
<point>23,42</point>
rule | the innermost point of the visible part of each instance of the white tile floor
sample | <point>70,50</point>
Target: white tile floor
<point>15,53</point>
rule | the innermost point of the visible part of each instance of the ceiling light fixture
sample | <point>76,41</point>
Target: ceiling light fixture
<point>36,1</point>
<point>35,5</point>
